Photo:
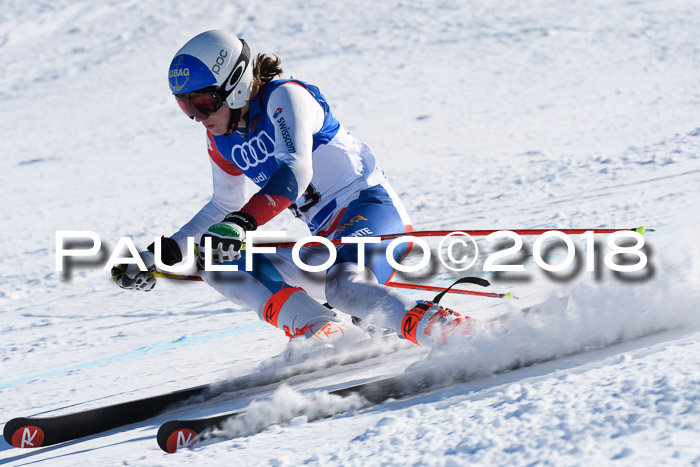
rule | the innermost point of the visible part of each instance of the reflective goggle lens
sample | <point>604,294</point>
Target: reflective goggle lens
<point>199,105</point>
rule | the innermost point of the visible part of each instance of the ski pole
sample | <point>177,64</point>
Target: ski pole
<point>397,285</point>
<point>428,233</point>
<point>475,233</point>
<point>178,277</point>
<point>432,288</point>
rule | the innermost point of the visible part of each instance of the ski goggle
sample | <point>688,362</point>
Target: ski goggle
<point>200,104</point>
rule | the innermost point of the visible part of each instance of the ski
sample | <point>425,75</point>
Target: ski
<point>178,434</point>
<point>32,432</point>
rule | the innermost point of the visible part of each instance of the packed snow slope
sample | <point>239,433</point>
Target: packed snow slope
<point>484,115</point>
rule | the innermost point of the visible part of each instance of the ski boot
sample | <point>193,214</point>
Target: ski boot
<point>430,324</point>
<point>313,330</point>
<point>445,331</point>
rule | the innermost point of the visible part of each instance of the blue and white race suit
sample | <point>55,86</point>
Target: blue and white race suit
<point>303,159</point>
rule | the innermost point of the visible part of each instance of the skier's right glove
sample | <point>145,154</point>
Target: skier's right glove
<point>129,276</point>
<point>227,237</point>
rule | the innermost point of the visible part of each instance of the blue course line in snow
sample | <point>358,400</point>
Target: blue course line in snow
<point>141,352</point>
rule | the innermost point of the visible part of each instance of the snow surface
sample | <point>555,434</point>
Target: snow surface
<point>484,115</point>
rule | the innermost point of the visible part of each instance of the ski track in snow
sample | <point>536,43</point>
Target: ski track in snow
<point>505,115</point>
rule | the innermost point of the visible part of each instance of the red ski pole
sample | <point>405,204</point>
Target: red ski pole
<point>475,233</point>
<point>398,285</point>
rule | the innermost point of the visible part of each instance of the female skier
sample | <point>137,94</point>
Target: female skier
<point>282,135</point>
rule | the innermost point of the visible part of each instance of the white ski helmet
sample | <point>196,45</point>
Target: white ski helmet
<point>214,59</point>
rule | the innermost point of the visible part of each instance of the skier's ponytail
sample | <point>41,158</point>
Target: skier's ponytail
<point>267,68</point>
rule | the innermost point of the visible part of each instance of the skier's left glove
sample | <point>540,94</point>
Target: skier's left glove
<point>129,276</point>
<point>227,237</point>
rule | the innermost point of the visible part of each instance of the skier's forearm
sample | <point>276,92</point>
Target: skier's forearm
<point>276,196</point>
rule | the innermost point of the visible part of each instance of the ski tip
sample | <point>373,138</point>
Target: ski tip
<point>182,438</point>
<point>23,436</point>
<point>172,437</point>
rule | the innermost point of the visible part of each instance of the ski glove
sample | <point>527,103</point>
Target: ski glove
<point>227,238</point>
<point>129,276</point>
